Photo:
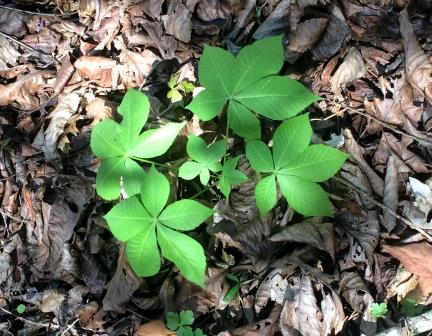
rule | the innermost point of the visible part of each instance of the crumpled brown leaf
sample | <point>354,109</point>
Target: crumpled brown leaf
<point>276,22</point>
<point>47,140</point>
<point>391,190</point>
<point>414,258</point>
<point>154,328</point>
<point>8,54</point>
<point>304,38</point>
<point>351,68</point>
<point>121,287</point>
<point>418,212</point>
<point>307,316</point>
<point>98,69</point>
<point>354,290</point>
<point>418,65</point>
<point>24,92</point>
<point>177,21</point>
<point>316,234</point>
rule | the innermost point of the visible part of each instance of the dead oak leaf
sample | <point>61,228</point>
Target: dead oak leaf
<point>414,258</point>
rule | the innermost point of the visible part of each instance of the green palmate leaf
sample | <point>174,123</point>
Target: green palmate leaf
<point>290,139</point>
<point>230,176</point>
<point>191,169</point>
<point>143,253</point>
<point>317,163</point>
<point>186,253</point>
<point>173,321</point>
<point>250,84</point>
<point>204,176</point>
<point>155,142</point>
<point>174,95</point>
<point>186,317</point>
<point>243,122</point>
<point>185,331</point>
<point>155,190</point>
<point>276,97</point>
<point>117,144</point>
<point>259,156</point>
<point>135,110</point>
<point>128,218</point>
<point>379,309</point>
<point>304,196</point>
<point>265,194</point>
<point>184,215</point>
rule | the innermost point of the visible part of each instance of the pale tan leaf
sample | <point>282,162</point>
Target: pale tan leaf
<point>51,301</point>
<point>354,290</point>
<point>154,328</point>
<point>403,283</point>
<point>177,21</point>
<point>390,198</point>
<point>352,67</point>
<point>96,68</point>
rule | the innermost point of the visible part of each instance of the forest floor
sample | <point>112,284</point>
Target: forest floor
<point>65,65</point>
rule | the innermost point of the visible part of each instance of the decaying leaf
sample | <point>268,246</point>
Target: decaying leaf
<point>316,234</point>
<point>403,283</point>
<point>354,290</point>
<point>418,212</point>
<point>418,65</point>
<point>414,258</point>
<point>177,21</point>
<point>351,68</point>
<point>391,190</point>
<point>307,316</point>
<point>154,328</point>
<point>8,54</point>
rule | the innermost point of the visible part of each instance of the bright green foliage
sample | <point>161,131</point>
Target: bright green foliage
<point>20,309</point>
<point>379,310</point>
<point>181,323</point>
<point>174,93</point>
<point>230,176</point>
<point>233,291</point>
<point>249,84</point>
<point>205,159</point>
<point>118,144</point>
<point>296,167</point>
<point>144,222</point>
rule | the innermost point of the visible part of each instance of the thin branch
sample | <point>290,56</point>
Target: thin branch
<point>384,207</point>
<point>45,325</point>
<point>27,12</point>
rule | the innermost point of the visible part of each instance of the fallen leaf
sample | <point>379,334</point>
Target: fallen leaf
<point>177,21</point>
<point>306,316</point>
<point>51,301</point>
<point>391,190</point>
<point>402,283</point>
<point>8,54</point>
<point>304,38</point>
<point>318,235</point>
<point>276,23</point>
<point>355,291</point>
<point>98,69</point>
<point>351,68</point>
<point>418,212</point>
<point>154,328</point>
<point>418,65</point>
<point>413,257</point>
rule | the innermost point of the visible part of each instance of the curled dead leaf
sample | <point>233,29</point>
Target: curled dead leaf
<point>177,21</point>
<point>154,328</point>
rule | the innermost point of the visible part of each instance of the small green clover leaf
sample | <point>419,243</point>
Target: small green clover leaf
<point>174,93</point>
<point>296,167</point>
<point>119,144</point>
<point>410,307</point>
<point>173,321</point>
<point>186,317</point>
<point>249,84</point>
<point>20,309</point>
<point>230,176</point>
<point>205,159</point>
<point>379,310</point>
<point>145,222</point>
<point>181,323</point>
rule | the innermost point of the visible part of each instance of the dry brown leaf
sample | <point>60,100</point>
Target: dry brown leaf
<point>25,91</point>
<point>47,140</point>
<point>8,54</point>
<point>418,65</point>
<point>307,316</point>
<point>304,38</point>
<point>318,235</point>
<point>352,67</point>
<point>276,22</point>
<point>402,283</point>
<point>97,69</point>
<point>99,109</point>
<point>209,10</point>
<point>355,151</point>
<point>121,287</point>
<point>51,301</point>
<point>413,257</point>
<point>12,22</point>
<point>177,21</point>
<point>391,190</point>
<point>154,328</point>
<point>418,212</point>
<point>355,291</point>
<point>45,41</point>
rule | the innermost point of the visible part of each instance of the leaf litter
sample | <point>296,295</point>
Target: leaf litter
<point>64,65</point>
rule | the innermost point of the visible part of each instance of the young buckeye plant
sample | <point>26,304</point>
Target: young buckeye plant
<point>249,86</point>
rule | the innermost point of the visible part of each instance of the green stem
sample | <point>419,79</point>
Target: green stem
<point>226,137</point>
<point>152,162</point>
<point>203,191</point>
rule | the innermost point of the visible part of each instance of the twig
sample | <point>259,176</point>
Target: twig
<point>45,325</point>
<point>383,123</point>
<point>382,206</point>
<point>70,326</point>
<point>27,12</point>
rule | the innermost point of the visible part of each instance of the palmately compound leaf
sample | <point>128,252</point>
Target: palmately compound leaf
<point>249,84</point>
<point>186,253</point>
<point>379,309</point>
<point>230,176</point>
<point>143,223</point>
<point>205,159</point>
<point>298,167</point>
<point>118,144</point>
<point>186,317</point>
<point>184,215</point>
<point>185,331</point>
